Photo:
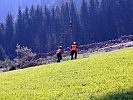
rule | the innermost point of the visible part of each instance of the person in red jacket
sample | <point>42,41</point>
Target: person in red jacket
<point>74,50</point>
<point>59,54</point>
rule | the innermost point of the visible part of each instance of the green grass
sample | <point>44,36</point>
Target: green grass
<point>106,76</point>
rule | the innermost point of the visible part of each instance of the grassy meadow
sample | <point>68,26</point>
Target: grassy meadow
<point>106,76</point>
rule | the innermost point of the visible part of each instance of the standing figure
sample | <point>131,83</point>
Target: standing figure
<point>73,50</point>
<point>59,54</point>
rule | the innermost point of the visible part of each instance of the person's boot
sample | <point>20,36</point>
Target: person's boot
<point>71,58</point>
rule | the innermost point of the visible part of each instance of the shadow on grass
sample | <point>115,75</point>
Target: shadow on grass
<point>128,95</point>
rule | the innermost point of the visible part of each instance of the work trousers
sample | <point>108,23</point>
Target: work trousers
<point>73,53</point>
<point>59,57</point>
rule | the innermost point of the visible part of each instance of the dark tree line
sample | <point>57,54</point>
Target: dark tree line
<point>43,29</point>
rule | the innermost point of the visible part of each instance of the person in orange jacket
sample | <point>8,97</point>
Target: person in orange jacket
<point>74,50</point>
<point>59,54</point>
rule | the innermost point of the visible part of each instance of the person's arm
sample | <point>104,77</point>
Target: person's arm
<point>62,51</point>
<point>77,47</point>
<point>71,47</point>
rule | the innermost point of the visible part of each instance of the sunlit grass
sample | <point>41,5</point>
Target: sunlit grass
<point>83,79</point>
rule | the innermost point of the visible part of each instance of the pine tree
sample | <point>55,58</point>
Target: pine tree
<point>47,26</point>
<point>32,27</point>
<point>19,28</point>
<point>26,28</point>
<point>66,33</point>
<point>53,29</point>
<point>9,32</point>
<point>1,33</point>
<point>85,24</point>
<point>93,20</point>
<point>2,38</point>
<point>39,35</point>
<point>58,25</point>
<point>127,16</point>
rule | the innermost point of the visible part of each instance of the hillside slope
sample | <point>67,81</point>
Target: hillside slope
<point>103,76</point>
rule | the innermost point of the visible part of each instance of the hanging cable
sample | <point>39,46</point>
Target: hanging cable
<point>70,25</point>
